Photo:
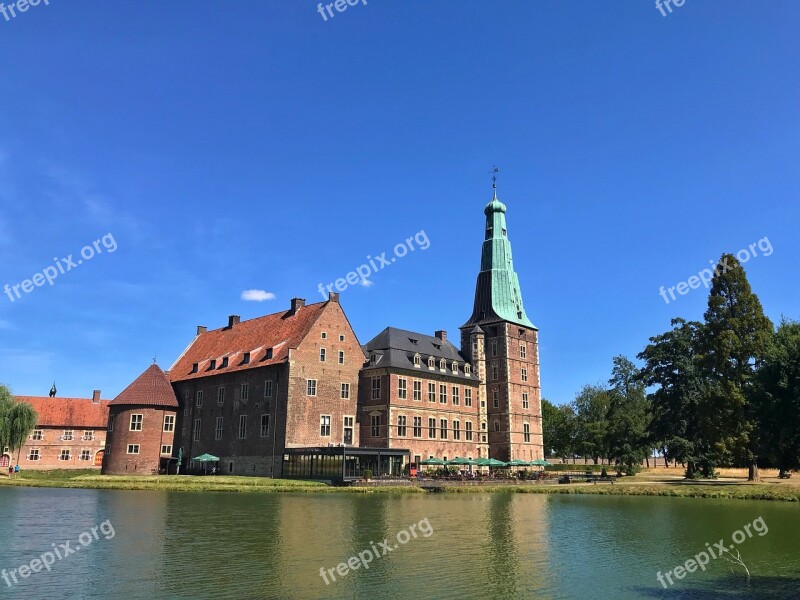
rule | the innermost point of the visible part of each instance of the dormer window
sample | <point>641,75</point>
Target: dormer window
<point>413,341</point>
<point>195,367</point>
<point>417,360</point>
<point>269,353</point>
<point>431,362</point>
<point>467,369</point>
<point>213,364</point>
<point>443,365</point>
<point>224,362</point>
<point>246,358</point>
<point>455,367</point>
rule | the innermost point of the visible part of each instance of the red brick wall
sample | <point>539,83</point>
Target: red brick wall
<point>51,445</point>
<point>150,439</point>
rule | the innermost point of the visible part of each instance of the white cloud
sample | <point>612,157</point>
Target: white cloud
<point>367,283</point>
<point>257,295</point>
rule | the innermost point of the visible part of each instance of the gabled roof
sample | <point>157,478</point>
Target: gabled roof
<point>397,348</point>
<point>151,388</point>
<point>68,412</point>
<point>277,332</point>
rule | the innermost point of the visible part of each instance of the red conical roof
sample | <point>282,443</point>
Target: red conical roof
<point>151,388</point>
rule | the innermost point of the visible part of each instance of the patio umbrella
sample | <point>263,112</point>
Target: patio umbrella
<point>493,462</point>
<point>460,461</point>
<point>433,461</point>
<point>204,458</point>
<point>518,463</point>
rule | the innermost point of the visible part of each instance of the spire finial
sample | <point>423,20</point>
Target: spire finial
<point>155,358</point>
<point>494,173</point>
<point>53,390</point>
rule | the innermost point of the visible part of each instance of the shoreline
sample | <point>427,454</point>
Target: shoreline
<point>675,488</point>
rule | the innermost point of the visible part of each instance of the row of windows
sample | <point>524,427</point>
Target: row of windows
<point>241,432</point>
<point>311,389</point>
<point>64,454</point>
<point>134,449</point>
<point>416,428</point>
<point>496,399</point>
<point>323,354</point>
<point>523,349</point>
<point>212,363</point>
<point>402,391</point>
<point>137,421</point>
<point>244,393</point>
<point>67,436</point>
<point>324,336</point>
<point>495,368</point>
<point>442,364</point>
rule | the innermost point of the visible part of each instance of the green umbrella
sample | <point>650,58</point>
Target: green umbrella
<point>459,461</point>
<point>493,462</point>
<point>433,461</point>
<point>518,463</point>
<point>206,458</point>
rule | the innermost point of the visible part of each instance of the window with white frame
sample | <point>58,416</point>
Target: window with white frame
<point>218,428</point>
<point>325,425</point>
<point>455,368</point>
<point>432,428</point>
<point>417,360</point>
<point>431,362</point>
<point>268,388</point>
<point>417,427</point>
<point>136,422</point>
<point>431,392</point>
<point>376,388</point>
<point>402,389</point>
<point>456,393</point>
<point>401,426</point>
<point>456,430</point>
<point>526,432</point>
<point>242,427</point>
<point>33,454</point>
<point>322,352</point>
<point>341,337</point>
<point>467,369</point>
<point>37,434</point>
<point>88,436</point>
<point>442,365</point>
<point>264,425</point>
<point>375,425</point>
<point>133,448</point>
<point>417,389</point>
<point>85,455</point>
<point>166,449</point>
<point>67,435</point>
<point>468,431</point>
<point>324,335</point>
<point>169,423</point>
<point>443,429</point>
<point>467,396</point>
<point>345,391</point>
<point>311,387</point>
<point>525,403</point>
<point>442,393</point>
<point>524,373</point>
<point>523,351</point>
<point>341,357</point>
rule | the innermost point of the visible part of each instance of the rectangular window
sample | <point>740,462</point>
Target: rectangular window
<point>348,428</point>
<point>401,426</point>
<point>495,398</point>
<point>417,427</point>
<point>525,403</point>
<point>467,396</point>
<point>375,425</point>
<point>524,374</point>
<point>431,392</point>
<point>111,423</point>
<point>432,428</point>
<point>169,423</point>
<point>345,391</point>
<point>132,449</point>
<point>37,434</point>
<point>494,347</point>
<point>88,436</point>
<point>242,427</point>
<point>325,425</point>
<point>264,425</point>
<point>341,337</point>
<point>341,357</point>
<point>220,396</point>
<point>218,429</point>
<point>33,454</point>
<point>376,388</point>
<point>443,429</point>
<point>166,449</point>
<point>522,350</point>
<point>199,401</point>
<point>526,432</point>
<point>417,390</point>
<point>456,430</point>
<point>67,435</point>
<point>495,370</point>
<point>197,430</point>
<point>468,431</point>
<point>311,387</point>
<point>456,399</point>
<point>443,394</point>
<point>136,422</point>
<point>402,390</point>
<point>245,392</point>
<point>85,455</point>
<point>268,388</point>
<point>322,355</point>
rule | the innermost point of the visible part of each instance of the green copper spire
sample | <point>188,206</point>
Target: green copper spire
<point>497,294</point>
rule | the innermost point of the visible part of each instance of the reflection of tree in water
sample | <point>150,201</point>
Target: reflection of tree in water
<point>730,587</point>
<point>502,557</point>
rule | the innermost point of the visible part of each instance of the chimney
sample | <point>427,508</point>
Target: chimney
<point>297,304</point>
<point>201,329</point>
<point>441,334</point>
<point>333,297</point>
<point>96,397</point>
<point>233,320</point>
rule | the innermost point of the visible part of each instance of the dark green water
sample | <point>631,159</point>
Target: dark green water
<point>215,545</point>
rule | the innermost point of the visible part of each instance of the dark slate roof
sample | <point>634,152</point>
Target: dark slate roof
<point>396,348</point>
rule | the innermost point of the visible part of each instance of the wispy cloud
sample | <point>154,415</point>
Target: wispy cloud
<point>367,283</point>
<point>257,295</point>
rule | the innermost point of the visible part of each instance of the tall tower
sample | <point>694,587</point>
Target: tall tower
<point>503,345</point>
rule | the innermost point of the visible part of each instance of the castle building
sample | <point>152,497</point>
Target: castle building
<point>295,394</point>
<point>70,433</point>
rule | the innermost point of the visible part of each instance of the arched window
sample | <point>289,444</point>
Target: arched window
<point>417,359</point>
<point>467,369</point>
<point>443,364</point>
<point>455,367</point>
<point>431,362</point>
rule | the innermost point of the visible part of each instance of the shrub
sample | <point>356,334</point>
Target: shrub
<point>367,474</point>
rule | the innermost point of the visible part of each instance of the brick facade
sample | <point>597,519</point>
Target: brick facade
<point>136,437</point>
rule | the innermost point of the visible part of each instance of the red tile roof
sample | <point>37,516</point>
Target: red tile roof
<point>68,412</point>
<point>278,332</point>
<point>151,388</point>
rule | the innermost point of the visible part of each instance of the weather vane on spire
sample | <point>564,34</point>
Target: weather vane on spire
<point>494,173</point>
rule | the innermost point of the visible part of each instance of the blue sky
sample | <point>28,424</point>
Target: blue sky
<point>253,145</point>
